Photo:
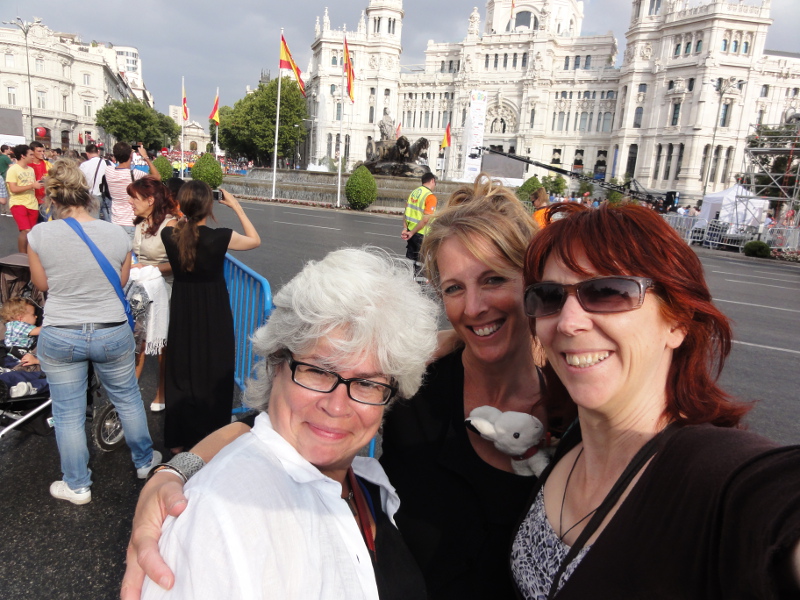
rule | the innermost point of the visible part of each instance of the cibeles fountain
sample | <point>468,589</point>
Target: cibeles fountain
<point>395,156</point>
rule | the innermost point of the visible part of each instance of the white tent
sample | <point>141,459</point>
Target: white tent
<point>734,205</point>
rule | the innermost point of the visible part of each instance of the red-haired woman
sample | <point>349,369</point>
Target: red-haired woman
<point>153,209</point>
<point>656,491</point>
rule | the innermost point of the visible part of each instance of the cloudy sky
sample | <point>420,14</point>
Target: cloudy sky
<point>228,44</point>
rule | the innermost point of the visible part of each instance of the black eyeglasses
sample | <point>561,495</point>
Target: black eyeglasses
<point>597,295</point>
<point>317,379</point>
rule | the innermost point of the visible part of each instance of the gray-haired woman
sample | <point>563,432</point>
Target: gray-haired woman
<point>349,335</point>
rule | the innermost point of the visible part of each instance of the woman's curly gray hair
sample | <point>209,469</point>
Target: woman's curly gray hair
<point>365,304</point>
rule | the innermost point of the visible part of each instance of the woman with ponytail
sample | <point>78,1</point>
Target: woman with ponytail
<point>200,345</point>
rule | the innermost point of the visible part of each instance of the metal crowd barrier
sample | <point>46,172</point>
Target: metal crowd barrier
<point>691,229</point>
<point>251,305</point>
<point>782,238</point>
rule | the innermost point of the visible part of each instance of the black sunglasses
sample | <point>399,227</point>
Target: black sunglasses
<point>597,295</point>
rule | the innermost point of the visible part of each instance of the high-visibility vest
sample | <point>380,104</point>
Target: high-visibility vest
<point>415,209</point>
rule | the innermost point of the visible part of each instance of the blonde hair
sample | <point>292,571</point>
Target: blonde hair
<point>66,188</point>
<point>14,309</point>
<point>491,223</point>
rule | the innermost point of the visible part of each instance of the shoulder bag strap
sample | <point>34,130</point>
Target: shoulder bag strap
<point>108,270</point>
<point>97,170</point>
<point>637,463</point>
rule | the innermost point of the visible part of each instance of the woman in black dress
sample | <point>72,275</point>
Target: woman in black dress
<point>200,345</point>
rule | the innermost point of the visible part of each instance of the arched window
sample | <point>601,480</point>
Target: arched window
<point>698,46</point>
<point>704,161</point>
<point>333,60</point>
<point>533,114</point>
<point>561,117</point>
<point>522,19</point>
<point>496,60</point>
<point>441,68</point>
<point>514,61</point>
<point>563,94</point>
<point>724,45</point>
<point>690,84</point>
<point>584,121</point>
<point>668,162</point>
<point>505,61</point>
<point>371,114</point>
<point>637,116</point>
<point>566,63</point>
<point>610,95</point>
<point>677,49</point>
<point>735,46</point>
<point>633,152</point>
<point>338,111</point>
<point>588,63</point>
<point>602,95</point>
<point>688,48</point>
<point>450,67</point>
<point>577,62</point>
<point>586,95</point>
<point>607,117</point>
<point>642,88</point>
<point>524,60</point>
<point>746,48</point>
<point>657,166</point>
<point>463,116</point>
<point>726,172</point>
<point>333,89</point>
<point>486,62</point>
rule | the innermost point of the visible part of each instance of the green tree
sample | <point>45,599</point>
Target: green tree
<point>207,169</point>
<point>554,185</point>
<point>131,121</point>
<point>249,128</point>
<point>612,196</point>
<point>527,188</point>
<point>361,189</point>
<point>164,167</point>
<point>586,186</point>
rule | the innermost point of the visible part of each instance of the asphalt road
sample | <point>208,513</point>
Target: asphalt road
<point>51,548</point>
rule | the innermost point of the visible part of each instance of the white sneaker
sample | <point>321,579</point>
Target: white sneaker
<point>60,490</point>
<point>142,472</point>
<point>157,407</point>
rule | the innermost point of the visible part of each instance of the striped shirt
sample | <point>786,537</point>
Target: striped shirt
<point>118,182</point>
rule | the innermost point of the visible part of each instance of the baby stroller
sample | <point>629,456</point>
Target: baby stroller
<point>25,402</point>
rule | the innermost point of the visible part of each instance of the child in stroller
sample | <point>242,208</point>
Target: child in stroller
<point>24,393</point>
<point>19,315</point>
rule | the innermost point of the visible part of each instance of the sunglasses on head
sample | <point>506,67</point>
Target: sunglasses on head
<point>597,295</point>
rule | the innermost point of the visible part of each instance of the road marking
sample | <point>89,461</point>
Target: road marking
<point>755,276</point>
<point>382,234</point>
<point>388,224</point>
<point>780,287</point>
<point>770,272</point>
<point>767,347</point>
<point>250,208</point>
<point>757,305</point>
<point>307,214</point>
<point>307,225</point>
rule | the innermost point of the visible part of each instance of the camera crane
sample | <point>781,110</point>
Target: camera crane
<point>630,188</point>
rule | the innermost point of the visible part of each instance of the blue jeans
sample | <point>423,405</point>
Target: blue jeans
<point>65,355</point>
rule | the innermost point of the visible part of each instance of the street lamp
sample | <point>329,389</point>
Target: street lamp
<point>25,27</point>
<point>723,87</point>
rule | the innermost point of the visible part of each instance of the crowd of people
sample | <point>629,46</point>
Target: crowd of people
<point>599,324</point>
<point>93,231</point>
<point>595,321</point>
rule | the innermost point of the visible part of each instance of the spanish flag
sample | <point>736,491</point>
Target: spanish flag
<point>215,111</point>
<point>348,71</point>
<point>287,62</point>
<point>183,102</point>
<point>446,140</point>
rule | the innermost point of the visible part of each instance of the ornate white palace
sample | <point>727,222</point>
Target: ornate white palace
<point>694,77</point>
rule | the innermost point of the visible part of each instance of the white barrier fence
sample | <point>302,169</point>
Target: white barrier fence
<point>722,235</point>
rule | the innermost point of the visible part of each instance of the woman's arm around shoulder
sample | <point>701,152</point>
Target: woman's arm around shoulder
<point>162,496</point>
<point>250,239</point>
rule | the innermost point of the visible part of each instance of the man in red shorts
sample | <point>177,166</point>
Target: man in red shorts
<point>40,167</point>
<point>22,185</point>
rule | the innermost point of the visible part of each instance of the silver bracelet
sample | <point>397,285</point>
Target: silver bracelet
<point>187,464</point>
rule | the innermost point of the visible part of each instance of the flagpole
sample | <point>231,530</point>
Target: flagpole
<point>341,140</point>
<point>277,119</point>
<point>183,121</point>
<point>216,143</point>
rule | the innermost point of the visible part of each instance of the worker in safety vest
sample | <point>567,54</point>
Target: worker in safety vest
<point>416,221</point>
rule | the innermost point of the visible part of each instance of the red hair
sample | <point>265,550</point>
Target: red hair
<point>632,240</point>
<point>163,204</point>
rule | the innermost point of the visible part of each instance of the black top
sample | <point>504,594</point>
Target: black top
<point>457,513</point>
<point>714,515</point>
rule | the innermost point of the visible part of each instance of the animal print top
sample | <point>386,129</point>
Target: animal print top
<point>537,554</point>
